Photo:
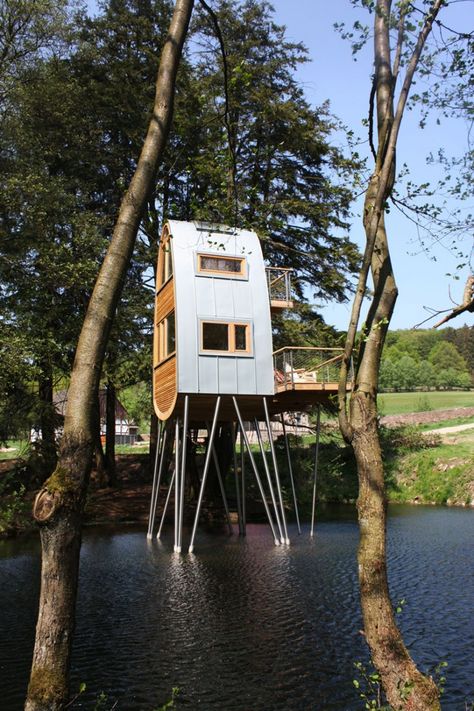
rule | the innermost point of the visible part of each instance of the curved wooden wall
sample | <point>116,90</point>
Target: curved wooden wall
<point>164,373</point>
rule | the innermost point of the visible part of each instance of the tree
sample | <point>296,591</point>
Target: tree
<point>404,685</point>
<point>251,150</point>
<point>59,505</point>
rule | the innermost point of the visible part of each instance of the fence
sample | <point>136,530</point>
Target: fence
<point>294,365</point>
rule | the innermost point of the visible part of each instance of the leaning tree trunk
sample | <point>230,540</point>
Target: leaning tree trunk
<point>404,686</point>
<point>59,505</point>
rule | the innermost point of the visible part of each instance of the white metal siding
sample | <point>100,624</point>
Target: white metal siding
<point>207,297</point>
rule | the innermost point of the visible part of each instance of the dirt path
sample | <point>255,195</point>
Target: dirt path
<point>422,418</point>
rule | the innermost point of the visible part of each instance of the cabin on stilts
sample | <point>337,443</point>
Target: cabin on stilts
<point>213,363</point>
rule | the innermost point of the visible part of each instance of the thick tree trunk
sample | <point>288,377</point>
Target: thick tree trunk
<point>405,687</point>
<point>59,505</point>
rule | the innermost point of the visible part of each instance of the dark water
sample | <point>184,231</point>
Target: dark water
<point>244,625</point>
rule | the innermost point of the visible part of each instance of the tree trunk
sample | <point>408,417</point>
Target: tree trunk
<point>405,687</point>
<point>59,505</point>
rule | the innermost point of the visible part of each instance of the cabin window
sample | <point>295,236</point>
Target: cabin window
<point>218,336</point>
<point>222,266</point>
<point>166,337</point>
<point>166,262</point>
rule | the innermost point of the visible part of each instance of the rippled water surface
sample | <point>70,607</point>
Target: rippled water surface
<point>241,624</point>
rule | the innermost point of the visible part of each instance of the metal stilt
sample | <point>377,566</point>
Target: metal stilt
<point>154,491</point>
<point>221,485</point>
<point>164,432</point>
<point>242,470</point>
<point>236,475</point>
<point>204,474</point>
<point>165,507</point>
<point>183,473</point>
<point>255,470</point>
<point>176,486</point>
<point>269,479</point>
<point>290,470</point>
<point>277,475</point>
<point>316,457</point>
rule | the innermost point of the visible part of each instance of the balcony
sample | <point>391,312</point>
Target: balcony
<point>307,369</point>
<point>279,288</point>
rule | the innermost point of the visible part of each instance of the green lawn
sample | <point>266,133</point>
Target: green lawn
<point>398,403</point>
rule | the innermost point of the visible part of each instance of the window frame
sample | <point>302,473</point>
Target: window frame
<point>231,339</point>
<point>165,262</point>
<point>202,271</point>
<point>162,331</point>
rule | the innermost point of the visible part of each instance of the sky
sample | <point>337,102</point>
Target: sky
<point>425,279</point>
<point>333,74</point>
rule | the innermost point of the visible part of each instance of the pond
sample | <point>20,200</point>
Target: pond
<point>242,624</point>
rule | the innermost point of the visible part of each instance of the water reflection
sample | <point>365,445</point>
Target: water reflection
<point>242,624</point>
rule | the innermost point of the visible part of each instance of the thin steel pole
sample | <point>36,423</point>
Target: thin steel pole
<point>269,479</point>
<point>183,472</point>
<point>290,469</point>
<point>236,475</point>
<point>255,470</point>
<point>204,474</point>
<point>242,469</point>
<point>316,457</point>
<point>165,507</point>
<point>154,495</point>
<point>176,485</point>
<point>277,475</point>
<point>164,432</point>
<point>221,484</point>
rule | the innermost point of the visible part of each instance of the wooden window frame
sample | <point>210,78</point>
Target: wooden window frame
<point>231,350</point>
<point>241,274</point>
<point>165,262</point>
<point>162,331</point>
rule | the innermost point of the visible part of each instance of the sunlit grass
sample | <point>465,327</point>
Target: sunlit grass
<point>399,403</point>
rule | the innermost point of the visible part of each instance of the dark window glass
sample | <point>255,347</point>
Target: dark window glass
<point>170,335</point>
<point>221,264</point>
<point>240,337</point>
<point>215,337</point>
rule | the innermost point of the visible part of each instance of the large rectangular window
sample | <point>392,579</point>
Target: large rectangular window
<point>213,264</point>
<point>224,337</point>
<point>166,337</point>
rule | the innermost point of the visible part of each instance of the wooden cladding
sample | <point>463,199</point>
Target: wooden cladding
<point>164,302</point>
<point>164,388</point>
<point>164,340</point>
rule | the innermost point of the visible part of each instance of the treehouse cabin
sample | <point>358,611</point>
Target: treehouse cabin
<point>213,359</point>
<point>213,329</point>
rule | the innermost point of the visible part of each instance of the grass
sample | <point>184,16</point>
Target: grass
<point>16,448</point>
<point>444,474</point>
<point>399,403</point>
<point>141,448</point>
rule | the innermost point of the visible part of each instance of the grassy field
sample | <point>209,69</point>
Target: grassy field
<point>398,403</point>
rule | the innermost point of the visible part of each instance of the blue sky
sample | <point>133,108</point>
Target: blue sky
<point>423,277</point>
<point>333,74</point>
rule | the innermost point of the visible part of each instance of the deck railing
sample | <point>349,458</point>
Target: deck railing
<point>279,283</point>
<point>295,366</point>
